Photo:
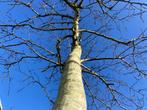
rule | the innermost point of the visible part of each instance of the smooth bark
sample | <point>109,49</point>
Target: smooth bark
<point>71,95</point>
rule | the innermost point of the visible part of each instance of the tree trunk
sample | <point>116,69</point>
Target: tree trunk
<point>71,94</point>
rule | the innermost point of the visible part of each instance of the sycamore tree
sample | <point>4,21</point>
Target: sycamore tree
<point>83,56</point>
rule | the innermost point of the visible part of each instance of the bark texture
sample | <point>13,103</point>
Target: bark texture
<point>71,94</point>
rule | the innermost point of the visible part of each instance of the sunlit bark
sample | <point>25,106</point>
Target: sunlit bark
<point>71,94</point>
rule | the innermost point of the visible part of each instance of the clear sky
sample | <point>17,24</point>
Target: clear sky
<point>18,94</point>
<point>30,98</point>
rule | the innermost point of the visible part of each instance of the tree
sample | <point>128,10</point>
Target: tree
<point>71,37</point>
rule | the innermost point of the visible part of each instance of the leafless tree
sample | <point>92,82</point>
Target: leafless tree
<point>49,35</point>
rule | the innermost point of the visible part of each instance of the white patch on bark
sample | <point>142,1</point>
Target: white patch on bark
<point>1,108</point>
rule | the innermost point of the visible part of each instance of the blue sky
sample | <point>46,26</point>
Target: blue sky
<point>18,94</point>
<point>32,96</point>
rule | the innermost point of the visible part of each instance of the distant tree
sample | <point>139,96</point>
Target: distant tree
<point>72,39</point>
